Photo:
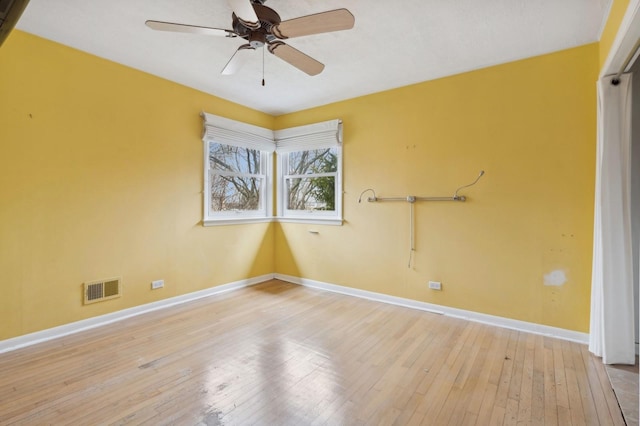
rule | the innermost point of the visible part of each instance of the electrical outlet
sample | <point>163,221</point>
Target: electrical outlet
<point>435,285</point>
<point>157,284</point>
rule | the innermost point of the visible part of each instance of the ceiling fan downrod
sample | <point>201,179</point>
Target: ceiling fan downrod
<point>260,25</point>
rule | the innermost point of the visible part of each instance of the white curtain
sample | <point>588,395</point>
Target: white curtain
<point>612,328</point>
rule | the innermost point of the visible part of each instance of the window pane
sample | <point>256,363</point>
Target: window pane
<point>312,193</point>
<point>313,161</point>
<point>230,193</point>
<point>234,159</point>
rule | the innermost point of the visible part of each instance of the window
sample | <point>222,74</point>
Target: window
<point>309,180</point>
<point>309,173</point>
<point>237,172</point>
<point>237,181</point>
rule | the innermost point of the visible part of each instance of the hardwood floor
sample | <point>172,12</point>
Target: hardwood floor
<point>281,354</point>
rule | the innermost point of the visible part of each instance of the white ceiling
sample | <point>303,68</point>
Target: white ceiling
<point>393,43</point>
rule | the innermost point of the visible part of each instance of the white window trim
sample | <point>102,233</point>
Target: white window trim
<point>229,132</point>
<point>322,135</point>
<point>264,214</point>
<point>310,221</point>
<point>238,221</point>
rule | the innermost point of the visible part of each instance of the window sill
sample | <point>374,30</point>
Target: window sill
<point>314,221</point>
<point>236,221</point>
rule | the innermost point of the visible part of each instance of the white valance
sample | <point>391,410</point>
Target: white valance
<point>231,132</point>
<point>325,134</point>
<point>313,136</point>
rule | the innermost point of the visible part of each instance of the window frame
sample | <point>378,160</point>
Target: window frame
<point>327,134</point>
<point>333,217</point>
<point>263,214</point>
<point>221,130</point>
<point>321,135</point>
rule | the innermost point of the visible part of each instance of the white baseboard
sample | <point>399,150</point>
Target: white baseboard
<point>87,324</point>
<point>560,333</point>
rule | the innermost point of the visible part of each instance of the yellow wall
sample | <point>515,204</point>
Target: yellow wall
<point>533,133</point>
<point>101,176</point>
<point>618,9</point>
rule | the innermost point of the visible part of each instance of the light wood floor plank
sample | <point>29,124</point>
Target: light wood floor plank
<point>281,354</point>
<point>573,391</point>
<point>549,384</point>
<point>537,393</point>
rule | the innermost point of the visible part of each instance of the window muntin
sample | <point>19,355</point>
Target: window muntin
<point>237,182</point>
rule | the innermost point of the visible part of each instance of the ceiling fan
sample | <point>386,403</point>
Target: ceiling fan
<point>260,25</point>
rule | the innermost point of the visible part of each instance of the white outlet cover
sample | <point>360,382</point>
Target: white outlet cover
<point>435,285</point>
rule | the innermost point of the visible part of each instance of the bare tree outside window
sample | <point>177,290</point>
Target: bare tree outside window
<point>311,179</point>
<point>236,178</point>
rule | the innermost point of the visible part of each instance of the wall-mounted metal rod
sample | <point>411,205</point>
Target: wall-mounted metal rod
<point>413,199</point>
<point>374,199</point>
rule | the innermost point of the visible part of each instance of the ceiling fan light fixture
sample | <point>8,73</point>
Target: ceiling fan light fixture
<point>257,39</point>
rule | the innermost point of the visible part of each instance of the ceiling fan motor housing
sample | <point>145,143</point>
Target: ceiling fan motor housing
<point>257,37</point>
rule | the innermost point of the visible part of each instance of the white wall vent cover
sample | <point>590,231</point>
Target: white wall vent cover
<point>98,291</point>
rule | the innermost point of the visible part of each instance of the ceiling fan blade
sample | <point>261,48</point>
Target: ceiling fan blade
<point>191,29</point>
<point>245,13</point>
<point>237,60</point>
<point>296,58</point>
<point>325,22</point>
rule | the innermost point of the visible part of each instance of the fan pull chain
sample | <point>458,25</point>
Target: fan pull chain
<point>263,66</point>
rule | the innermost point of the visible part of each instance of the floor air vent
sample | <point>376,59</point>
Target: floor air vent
<point>98,291</point>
